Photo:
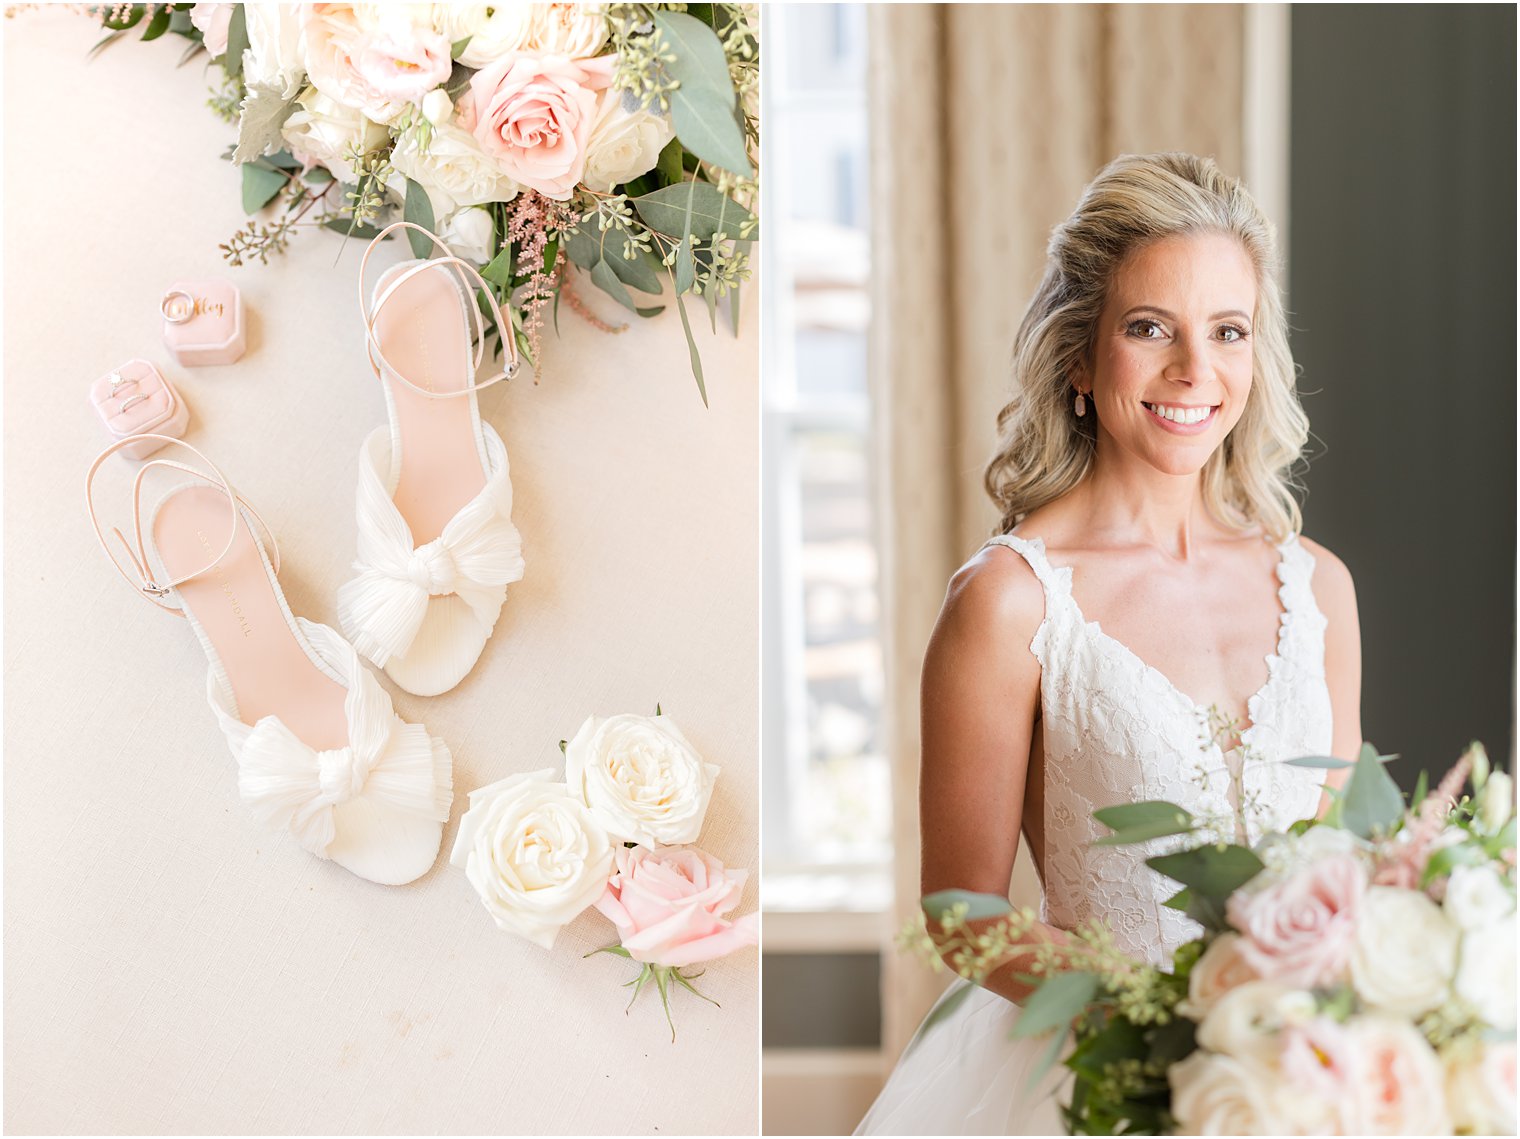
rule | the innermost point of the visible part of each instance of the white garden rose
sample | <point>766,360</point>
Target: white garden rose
<point>322,130</point>
<point>469,233</point>
<point>454,170</point>
<point>576,30</point>
<point>1405,952</point>
<point>1221,968</point>
<point>276,55</point>
<point>533,853</point>
<point>625,140</point>
<point>1285,854</point>
<point>493,29</point>
<point>1244,1021</point>
<point>1477,896</point>
<point>1399,1085</point>
<point>641,778</point>
<point>1480,1087</point>
<point>1486,975</point>
<point>1220,1095</point>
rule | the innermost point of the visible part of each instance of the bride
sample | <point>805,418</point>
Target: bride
<point>1149,574</point>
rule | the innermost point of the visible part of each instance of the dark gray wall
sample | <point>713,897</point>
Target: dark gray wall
<point>1402,294</point>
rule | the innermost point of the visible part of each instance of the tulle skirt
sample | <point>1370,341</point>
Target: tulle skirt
<point>968,1076</point>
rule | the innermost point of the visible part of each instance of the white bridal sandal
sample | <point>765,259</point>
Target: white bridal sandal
<point>437,548</point>
<point>320,752</point>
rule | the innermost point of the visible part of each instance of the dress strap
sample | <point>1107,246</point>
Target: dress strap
<point>1056,582</point>
<point>1032,550</point>
<point>1301,613</point>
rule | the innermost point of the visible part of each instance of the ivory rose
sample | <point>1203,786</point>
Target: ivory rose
<point>1221,968</point>
<point>276,55</point>
<point>1405,952</point>
<point>1245,1021</point>
<point>322,130</point>
<point>1486,976</point>
<point>624,142</point>
<point>453,170</point>
<point>668,906</point>
<point>641,779</point>
<point>213,21</point>
<point>533,114</point>
<point>468,233</point>
<point>533,853</point>
<point>1301,930</point>
<point>492,30</point>
<point>1399,1084</point>
<point>1480,1087</point>
<point>1220,1095</point>
<point>1477,896</point>
<point>576,30</point>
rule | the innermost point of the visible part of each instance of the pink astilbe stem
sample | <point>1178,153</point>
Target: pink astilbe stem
<point>530,219</point>
<point>1405,865</point>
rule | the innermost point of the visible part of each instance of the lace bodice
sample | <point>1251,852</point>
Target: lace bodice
<point>1118,731</point>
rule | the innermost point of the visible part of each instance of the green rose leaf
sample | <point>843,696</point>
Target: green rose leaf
<point>665,211</point>
<point>260,186</point>
<point>704,105</point>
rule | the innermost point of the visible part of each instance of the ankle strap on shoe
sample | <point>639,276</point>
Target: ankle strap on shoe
<point>145,585</point>
<point>471,279</point>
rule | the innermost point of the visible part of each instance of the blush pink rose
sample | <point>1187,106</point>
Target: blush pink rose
<point>213,21</point>
<point>533,113</point>
<point>1301,931</point>
<point>402,62</point>
<point>668,902</point>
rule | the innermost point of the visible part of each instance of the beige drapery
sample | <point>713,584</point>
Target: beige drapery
<point>986,122</point>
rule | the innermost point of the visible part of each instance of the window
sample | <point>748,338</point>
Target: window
<point>827,784</point>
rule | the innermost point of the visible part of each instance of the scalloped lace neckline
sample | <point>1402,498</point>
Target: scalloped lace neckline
<point>1273,659</point>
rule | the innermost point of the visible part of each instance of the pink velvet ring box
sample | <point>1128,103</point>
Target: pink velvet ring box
<point>203,322</point>
<point>135,399</point>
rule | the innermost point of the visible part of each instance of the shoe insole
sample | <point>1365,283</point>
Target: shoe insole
<point>424,332</point>
<point>235,603</point>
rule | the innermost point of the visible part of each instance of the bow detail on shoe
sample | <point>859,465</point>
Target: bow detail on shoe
<point>476,557</point>
<point>291,786</point>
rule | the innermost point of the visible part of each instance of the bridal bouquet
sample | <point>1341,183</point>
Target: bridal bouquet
<point>614,833</point>
<point>1356,975</point>
<point>619,138</point>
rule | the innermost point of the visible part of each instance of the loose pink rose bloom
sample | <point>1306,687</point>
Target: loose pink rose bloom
<point>1301,931</point>
<point>533,113</point>
<point>403,62</point>
<point>213,21</point>
<point>668,902</point>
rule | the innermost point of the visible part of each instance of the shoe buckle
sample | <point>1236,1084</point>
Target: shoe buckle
<point>154,590</point>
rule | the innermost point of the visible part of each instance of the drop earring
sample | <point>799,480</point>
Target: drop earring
<point>1081,405</point>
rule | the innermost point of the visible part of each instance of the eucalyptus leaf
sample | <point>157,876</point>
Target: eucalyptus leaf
<point>954,997</point>
<point>180,22</point>
<point>237,42</point>
<point>1179,900</point>
<point>606,280</point>
<point>691,348</point>
<point>1046,1061</point>
<point>704,105</point>
<point>1058,1001</point>
<point>583,246</point>
<point>1209,870</point>
<point>346,227</point>
<point>456,49</point>
<point>937,906</point>
<point>260,187</point>
<point>1372,799</point>
<point>638,273</point>
<point>418,211</point>
<point>1149,812</point>
<point>1319,762</point>
<point>686,271</point>
<point>665,211</point>
<point>317,176</point>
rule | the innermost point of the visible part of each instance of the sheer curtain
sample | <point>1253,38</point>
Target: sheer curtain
<point>986,121</point>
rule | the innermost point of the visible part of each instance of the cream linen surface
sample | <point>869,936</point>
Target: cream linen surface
<point>169,965</point>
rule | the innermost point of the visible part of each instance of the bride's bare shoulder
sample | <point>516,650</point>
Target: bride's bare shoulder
<point>1331,580</point>
<point>993,596</point>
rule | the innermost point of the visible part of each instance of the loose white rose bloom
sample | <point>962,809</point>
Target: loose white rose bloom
<point>1486,977</point>
<point>1284,854</point>
<point>625,141</point>
<point>322,130</point>
<point>1399,1085</point>
<point>494,30</point>
<point>469,234</point>
<point>641,779</point>
<point>1220,1095</point>
<point>533,853</point>
<point>1476,896</point>
<point>1244,1021</point>
<point>437,106</point>
<point>1480,1087</point>
<point>1498,802</point>
<point>276,55</point>
<point>1405,954</point>
<point>576,30</point>
<point>454,170</point>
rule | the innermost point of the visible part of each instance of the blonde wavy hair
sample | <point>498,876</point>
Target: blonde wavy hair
<point>1044,450</point>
